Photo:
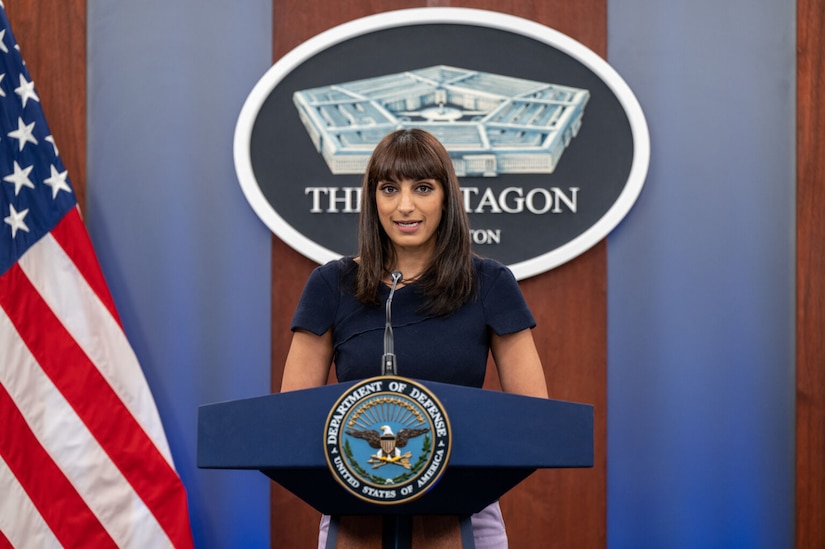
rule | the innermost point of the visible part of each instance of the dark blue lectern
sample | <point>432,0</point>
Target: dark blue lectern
<point>498,440</point>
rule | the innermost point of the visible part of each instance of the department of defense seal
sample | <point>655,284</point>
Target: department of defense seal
<point>387,440</point>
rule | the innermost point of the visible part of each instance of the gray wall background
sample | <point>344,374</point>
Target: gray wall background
<point>700,274</point>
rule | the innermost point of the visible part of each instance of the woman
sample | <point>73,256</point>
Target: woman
<point>450,310</point>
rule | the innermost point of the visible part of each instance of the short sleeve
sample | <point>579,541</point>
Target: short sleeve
<point>319,301</point>
<point>505,308</point>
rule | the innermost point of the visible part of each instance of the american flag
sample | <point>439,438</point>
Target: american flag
<point>84,461</point>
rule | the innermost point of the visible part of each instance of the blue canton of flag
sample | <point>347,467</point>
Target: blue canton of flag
<point>36,192</point>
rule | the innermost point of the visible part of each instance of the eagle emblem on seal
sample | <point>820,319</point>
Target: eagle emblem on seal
<point>388,444</point>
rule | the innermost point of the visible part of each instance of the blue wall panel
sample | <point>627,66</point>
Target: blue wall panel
<point>700,280</point>
<point>187,260</point>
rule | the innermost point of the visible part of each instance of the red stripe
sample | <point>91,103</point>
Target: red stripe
<point>72,236</point>
<point>61,507</point>
<point>77,378</point>
<point>4,541</point>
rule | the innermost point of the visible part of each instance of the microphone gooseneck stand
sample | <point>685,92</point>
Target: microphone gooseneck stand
<point>388,365</point>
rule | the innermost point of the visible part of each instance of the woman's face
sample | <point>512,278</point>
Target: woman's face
<point>410,212</point>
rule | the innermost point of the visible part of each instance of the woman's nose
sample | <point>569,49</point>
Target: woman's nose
<point>405,202</point>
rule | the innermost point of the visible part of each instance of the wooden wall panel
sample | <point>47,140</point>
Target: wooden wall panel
<point>52,39</point>
<point>552,508</point>
<point>810,329</point>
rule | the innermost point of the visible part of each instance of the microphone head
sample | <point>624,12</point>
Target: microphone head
<point>396,276</point>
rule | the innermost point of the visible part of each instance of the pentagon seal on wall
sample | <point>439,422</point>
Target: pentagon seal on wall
<point>550,144</point>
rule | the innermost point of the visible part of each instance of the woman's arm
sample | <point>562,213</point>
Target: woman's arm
<point>518,364</point>
<point>307,364</point>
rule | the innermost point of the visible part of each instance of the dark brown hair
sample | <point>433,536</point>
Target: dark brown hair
<point>449,280</point>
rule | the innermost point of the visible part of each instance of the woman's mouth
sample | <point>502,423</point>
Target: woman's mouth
<point>407,226</point>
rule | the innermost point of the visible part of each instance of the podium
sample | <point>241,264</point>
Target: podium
<point>498,439</point>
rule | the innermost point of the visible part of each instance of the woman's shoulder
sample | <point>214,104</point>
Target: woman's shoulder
<point>335,271</point>
<point>492,273</point>
<point>337,266</point>
<point>489,268</point>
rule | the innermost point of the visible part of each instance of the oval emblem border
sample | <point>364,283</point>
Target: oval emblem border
<point>466,16</point>
<point>367,393</point>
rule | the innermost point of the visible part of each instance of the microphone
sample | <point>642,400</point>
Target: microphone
<point>388,360</point>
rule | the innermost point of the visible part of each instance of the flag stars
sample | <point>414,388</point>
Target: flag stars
<point>20,178</point>
<point>3,46</point>
<point>26,91</point>
<point>2,92</point>
<point>58,182</point>
<point>23,133</point>
<point>15,220</point>
<point>50,139</point>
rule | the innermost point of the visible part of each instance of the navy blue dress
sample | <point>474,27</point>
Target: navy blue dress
<point>450,349</point>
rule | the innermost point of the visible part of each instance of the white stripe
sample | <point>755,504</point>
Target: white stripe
<point>93,328</point>
<point>73,448</point>
<point>20,521</point>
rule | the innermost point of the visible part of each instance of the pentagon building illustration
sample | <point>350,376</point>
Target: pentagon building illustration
<point>489,123</point>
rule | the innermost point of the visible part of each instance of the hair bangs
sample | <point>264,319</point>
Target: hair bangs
<point>408,158</point>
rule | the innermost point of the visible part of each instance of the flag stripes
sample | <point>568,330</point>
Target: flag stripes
<point>144,468</point>
<point>71,235</point>
<point>84,463</point>
<point>87,316</point>
<point>19,520</point>
<point>57,501</point>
